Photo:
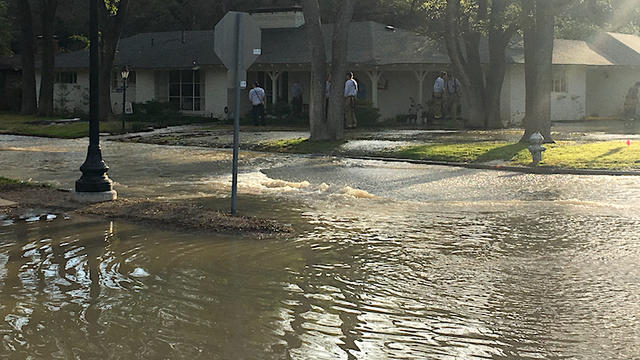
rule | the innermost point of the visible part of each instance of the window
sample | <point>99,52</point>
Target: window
<point>184,89</point>
<point>66,77</point>
<point>560,81</point>
<point>116,79</point>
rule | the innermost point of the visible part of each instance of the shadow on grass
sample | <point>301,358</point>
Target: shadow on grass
<point>506,152</point>
<point>610,152</point>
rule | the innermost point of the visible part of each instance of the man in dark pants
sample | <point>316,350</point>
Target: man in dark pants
<point>256,96</point>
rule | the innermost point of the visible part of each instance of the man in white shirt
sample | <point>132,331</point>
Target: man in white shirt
<point>256,96</point>
<point>438,95</point>
<point>350,93</point>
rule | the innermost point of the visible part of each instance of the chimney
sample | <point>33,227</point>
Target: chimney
<point>278,18</point>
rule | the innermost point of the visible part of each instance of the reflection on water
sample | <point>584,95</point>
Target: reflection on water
<point>385,285</point>
<point>389,261</point>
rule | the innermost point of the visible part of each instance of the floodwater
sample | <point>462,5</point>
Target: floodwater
<point>388,261</point>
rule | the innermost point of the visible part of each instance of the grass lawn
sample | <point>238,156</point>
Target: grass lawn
<point>299,146</point>
<point>7,181</point>
<point>39,126</point>
<point>596,155</point>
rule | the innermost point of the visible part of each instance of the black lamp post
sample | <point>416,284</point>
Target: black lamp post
<point>94,185</point>
<point>125,75</point>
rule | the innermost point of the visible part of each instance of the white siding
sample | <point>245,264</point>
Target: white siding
<point>516,93</point>
<point>400,86</point>
<point>215,92</point>
<point>607,88</point>
<point>145,86</point>
<point>570,105</point>
<point>505,99</point>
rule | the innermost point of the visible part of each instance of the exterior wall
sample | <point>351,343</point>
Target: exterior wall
<point>505,99</point>
<point>400,86</point>
<point>145,86</point>
<point>215,92</point>
<point>73,98</point>
<point>273,20</point>
<point>514,81</point>
<point>570,105</point>
<point>607,88</point>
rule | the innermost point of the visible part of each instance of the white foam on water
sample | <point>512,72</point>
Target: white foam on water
<point>257,183</point>
<point>139,273</point>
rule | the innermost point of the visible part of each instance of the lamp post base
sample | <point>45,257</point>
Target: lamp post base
<point>94,197</point>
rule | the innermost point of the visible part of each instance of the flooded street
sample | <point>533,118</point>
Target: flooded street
<point>388,261</point>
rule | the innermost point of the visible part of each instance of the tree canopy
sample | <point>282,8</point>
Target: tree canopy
<point>5,30</point>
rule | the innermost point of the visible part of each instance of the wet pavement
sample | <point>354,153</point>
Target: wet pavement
<point>369,141</point>
<point>389,260</point>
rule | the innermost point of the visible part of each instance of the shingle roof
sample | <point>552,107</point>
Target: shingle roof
<point>565,52</point>
<point>620,49</point>
<point>370,43</point>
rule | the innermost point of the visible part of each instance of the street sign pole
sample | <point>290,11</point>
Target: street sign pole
<point>236,121</point>
<point>237,44</point>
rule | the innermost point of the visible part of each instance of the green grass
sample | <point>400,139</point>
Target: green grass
<point>597,155</point>
<point>299,146</point>
<point>13,182</point>
<point>461,152</point>
<point>7,181</point>
<point>609,155</point>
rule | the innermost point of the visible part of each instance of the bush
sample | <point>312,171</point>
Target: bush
<point>366,114</point>
<point>155,108</point>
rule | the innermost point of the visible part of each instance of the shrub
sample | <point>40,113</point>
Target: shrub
<point>366,114</point>
<point>155,108</point>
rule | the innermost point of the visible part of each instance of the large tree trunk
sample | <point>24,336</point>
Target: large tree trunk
<point>538,49</point>
<point>481,94</point>
<point>317,118</point>
<point>327,126</point>
<point>111,26</point>
<point>339,69</point>
<point>47,15</point>
<point>29,102</point>
<point>545,21</point>
<point>498,40</point>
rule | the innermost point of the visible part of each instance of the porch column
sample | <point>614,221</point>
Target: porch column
<point>274,75</point>
<point>420,75</point>
<point>375,77</point>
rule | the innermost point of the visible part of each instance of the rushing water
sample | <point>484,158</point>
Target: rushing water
<point>387,261</point>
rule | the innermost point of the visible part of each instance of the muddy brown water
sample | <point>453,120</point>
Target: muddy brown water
<point>387,261</point>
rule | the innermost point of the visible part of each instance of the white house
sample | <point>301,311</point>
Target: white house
<point>392,66</point>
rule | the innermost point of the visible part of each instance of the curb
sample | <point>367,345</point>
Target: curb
<point>521,169</point>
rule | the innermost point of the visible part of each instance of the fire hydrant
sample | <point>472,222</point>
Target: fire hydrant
<point>536,147</point>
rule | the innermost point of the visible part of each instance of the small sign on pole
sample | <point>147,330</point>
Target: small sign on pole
<point>128,108</point>
<point>237,43</point>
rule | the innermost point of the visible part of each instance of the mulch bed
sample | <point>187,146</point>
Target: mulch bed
<point>172,214</point>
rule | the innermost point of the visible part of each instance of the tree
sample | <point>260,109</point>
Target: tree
<point>29,103</point>
<point>112,17</point>
<point>5,30</point>
<point>327,125</point>
<point>538,29</point>
<point>47,19</point>
<point>466,24</point>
